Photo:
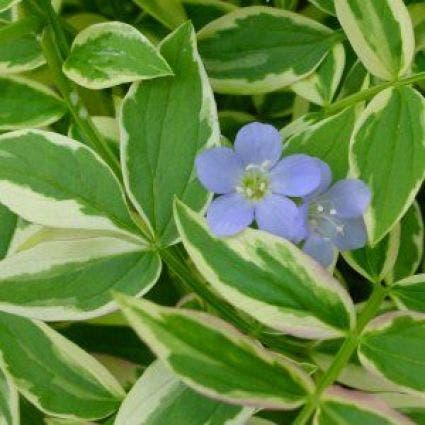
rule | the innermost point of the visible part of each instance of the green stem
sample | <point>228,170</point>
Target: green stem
<point>344,354</point>
<point>337,106</point>
<point>74,103</point>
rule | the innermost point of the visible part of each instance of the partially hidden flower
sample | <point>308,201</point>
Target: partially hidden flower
<point>254,183</point>
<point>333,217</point>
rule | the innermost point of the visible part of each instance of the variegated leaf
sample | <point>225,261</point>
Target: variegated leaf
<point>339,406</point>
<point>268,278</point>
<point>162,130</point>
<point>159,395</point>
<point>63,380</point>
<point>325,5</point>
<point>9,400</point>
<point>321,86</point>
<point>111,53</point>
<point>8,222</point>
<point>70,275</point>
<point>7,4</point>
<point>381,34</point>
<point>52,180</point>
<point>357,79</point>
<point>169,12</point>
<point>271,59</point>
<point>215,359</point>
<point>327,139</point>
<point>107,127</point>
<point>25,103</point>
<point>375,262</point>
<point>393,346</point>
<point>411,245</point>
<point>388,154</point>
<point>409,293</point>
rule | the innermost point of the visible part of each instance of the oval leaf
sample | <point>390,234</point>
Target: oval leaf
<point>270,60</point>
<point>111,53</point>
<point>388,153</point>
<point>375,262</point>
<point>214,358</point>
<point>63,380</point>
<point>162,130</point>
<point>25,103</point>
<point>327,139</point>
<point>268,278</point>
<point>393,346</point>
<point>70,278</point>
<point>381,34</point>
<point>409,293</point>
<point>52,180</point>
<point>345,407</point>
<point>321,86</point>
<point>159,395</point>
<point>411,245</point>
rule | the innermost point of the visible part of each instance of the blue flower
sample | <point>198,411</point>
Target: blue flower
<point>253,183</point>
<point>333,217</point>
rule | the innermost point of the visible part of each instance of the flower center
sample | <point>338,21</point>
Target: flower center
<point>318,214</point>
<point>255,183</point>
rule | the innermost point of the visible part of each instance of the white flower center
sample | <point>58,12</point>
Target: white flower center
<point>255,182</point>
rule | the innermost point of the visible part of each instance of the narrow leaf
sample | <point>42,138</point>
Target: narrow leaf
<point>71,278</point>
<point>393,346</point>
<point>388,153</point>
<point>9,401</point>
<point>159,395</point>
<point>381,34</point>
<point>271,59</point>
<point>162,130</point>
<point>345,407</point>
<point>268,278</point>
<point>215,359</point>
<point>8,221</point>
<point>52,180</point>
<point>62,380</point>
<point>111,53</point>
<point>25,103</point>
<point>409,293</point>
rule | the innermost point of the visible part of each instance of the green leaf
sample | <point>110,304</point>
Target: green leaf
<point>8,221</point>
<point>55,374</point>
<point>215,359</point>
<point>162,130</point>
<point>159,395</point>
<point>9,401</point>
<point>328,139</point>
<point>411,245</point>
<point>202,12</point>
<point>409,293</point>
<point>6,4</point>
<point>111,53</point>
<point>393,346</point>
<point>339,406</point>
<point>25,103</point>
<point>70,276</point>
<point>169,12</point>
<point>268,278</point>
<point>357,79</point>
<point>375,262</point>
<point>272,59</point>
<point>321,86</point>
<point>52,180</point>
<point>325,5</point>
<point>20,53</point>
<point>381,34</point>
<point>388,153</point>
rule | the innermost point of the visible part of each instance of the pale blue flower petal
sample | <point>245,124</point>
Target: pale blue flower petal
<point>353,236</point>
<point>347,198</point>
<point>219,169</point>
<point>296,175</point>
<point>325,179</point>
<point>229,214</point>
<point>320,249</point>
<point>258,144</point>
<point>279,215</point>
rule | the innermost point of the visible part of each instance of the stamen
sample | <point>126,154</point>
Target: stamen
<point>320,208</point>
<point>332,211</point>
<point>340,228</point>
